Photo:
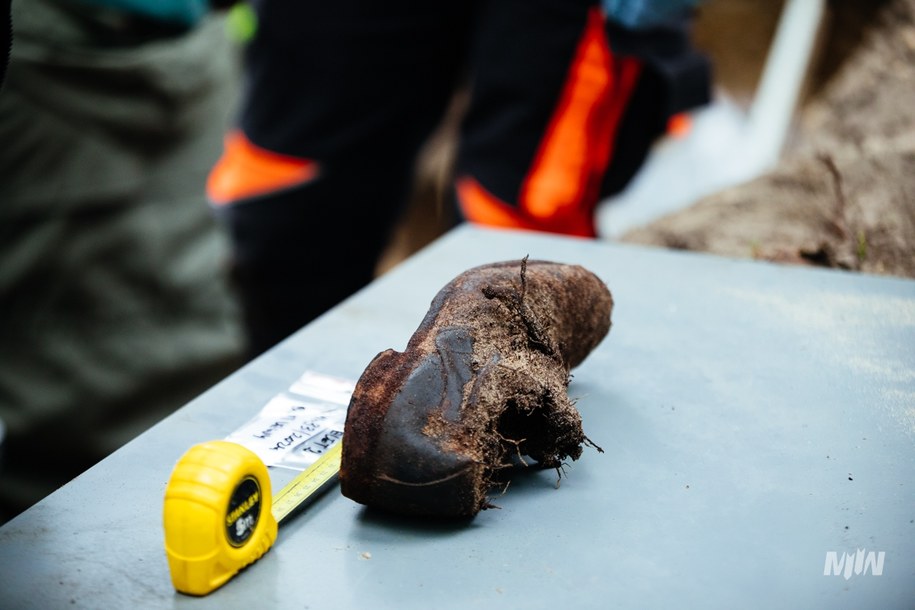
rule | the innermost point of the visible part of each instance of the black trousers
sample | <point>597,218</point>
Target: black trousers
<point>340,96</point>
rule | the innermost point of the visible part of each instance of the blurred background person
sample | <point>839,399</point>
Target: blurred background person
<point>6,37</point>
<point>114,304</point>
<point>563,105</point>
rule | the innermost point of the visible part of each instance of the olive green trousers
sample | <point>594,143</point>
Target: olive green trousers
<point>115,308</point>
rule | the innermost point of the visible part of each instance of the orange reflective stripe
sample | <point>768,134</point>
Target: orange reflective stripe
<point>564,180</point>
<point>679,125</point>
<point>247,170</point>
<point>562,187</point>
<point>482,207</point>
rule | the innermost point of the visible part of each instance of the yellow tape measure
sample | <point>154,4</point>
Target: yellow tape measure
<point>214,517</point>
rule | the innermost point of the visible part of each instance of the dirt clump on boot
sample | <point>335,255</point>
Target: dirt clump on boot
<point>481,387</point>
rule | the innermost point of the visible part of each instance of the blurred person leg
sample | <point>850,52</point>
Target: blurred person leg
<point>6,37</point>
<point>114,302</point>
<point>564,109</point>
<point>339,99</point>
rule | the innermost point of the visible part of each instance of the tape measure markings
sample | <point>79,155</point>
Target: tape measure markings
<point>214,514</point>
<point>308,483</point>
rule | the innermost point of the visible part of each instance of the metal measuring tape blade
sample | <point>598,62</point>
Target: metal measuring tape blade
<point>215,516</point>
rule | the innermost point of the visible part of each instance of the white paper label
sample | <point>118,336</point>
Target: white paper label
<point>295,427</point>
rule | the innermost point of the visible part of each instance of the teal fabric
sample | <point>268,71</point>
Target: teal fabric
<point>643,14</point>
<point>187,12</point>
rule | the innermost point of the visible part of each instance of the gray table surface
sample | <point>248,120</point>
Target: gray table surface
<point>755,418</point>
